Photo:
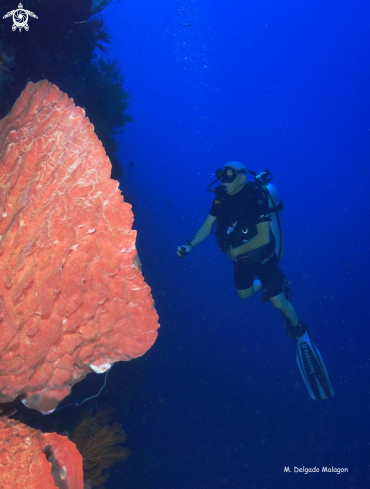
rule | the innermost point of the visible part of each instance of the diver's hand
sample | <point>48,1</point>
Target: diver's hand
<point>235,255</point>
<point>183,250</point>
<point>232,253</point>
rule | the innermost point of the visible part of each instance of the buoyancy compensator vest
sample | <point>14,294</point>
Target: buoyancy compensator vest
<point>261,183</point>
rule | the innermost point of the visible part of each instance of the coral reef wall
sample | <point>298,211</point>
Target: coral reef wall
<point>31,459</point>
<point>72,299</point>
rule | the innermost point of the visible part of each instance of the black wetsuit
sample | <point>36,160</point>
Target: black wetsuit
<point>237,219</point>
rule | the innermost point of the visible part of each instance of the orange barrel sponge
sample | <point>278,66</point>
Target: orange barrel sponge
<point>31,459</point>
<point>72,299</point>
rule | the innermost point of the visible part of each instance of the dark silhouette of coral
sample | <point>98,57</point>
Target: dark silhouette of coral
<point>99,5</point>
<point>60,46</point>
<point>99,445</point>
<point>7,64</point>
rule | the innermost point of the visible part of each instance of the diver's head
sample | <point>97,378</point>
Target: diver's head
<point>233,176</point>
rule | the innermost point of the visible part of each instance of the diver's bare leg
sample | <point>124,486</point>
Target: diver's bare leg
<point>246,293</point>
<point>286,308</point>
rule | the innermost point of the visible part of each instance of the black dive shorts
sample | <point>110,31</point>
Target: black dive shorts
<point>268,273</point>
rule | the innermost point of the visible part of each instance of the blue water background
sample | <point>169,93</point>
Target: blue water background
<point>218,401</point>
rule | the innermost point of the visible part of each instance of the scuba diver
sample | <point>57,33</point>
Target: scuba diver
<point>248,231</point>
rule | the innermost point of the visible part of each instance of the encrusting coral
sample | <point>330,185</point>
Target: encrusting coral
<point>99,445</point>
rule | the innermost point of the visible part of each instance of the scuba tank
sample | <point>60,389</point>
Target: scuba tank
<point>263,180</point>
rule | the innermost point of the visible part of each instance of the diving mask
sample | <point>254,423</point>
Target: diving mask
<point>228,174</point>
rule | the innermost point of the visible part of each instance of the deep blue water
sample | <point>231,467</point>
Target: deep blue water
<point>218,401</point>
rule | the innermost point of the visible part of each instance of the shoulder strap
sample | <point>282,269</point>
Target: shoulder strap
<point>245,203</point>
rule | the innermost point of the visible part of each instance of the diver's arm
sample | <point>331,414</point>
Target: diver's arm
<point>262,238</point>
<point>204,231</point>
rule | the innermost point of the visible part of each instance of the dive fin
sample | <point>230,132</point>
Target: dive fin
<point>312,368</point>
